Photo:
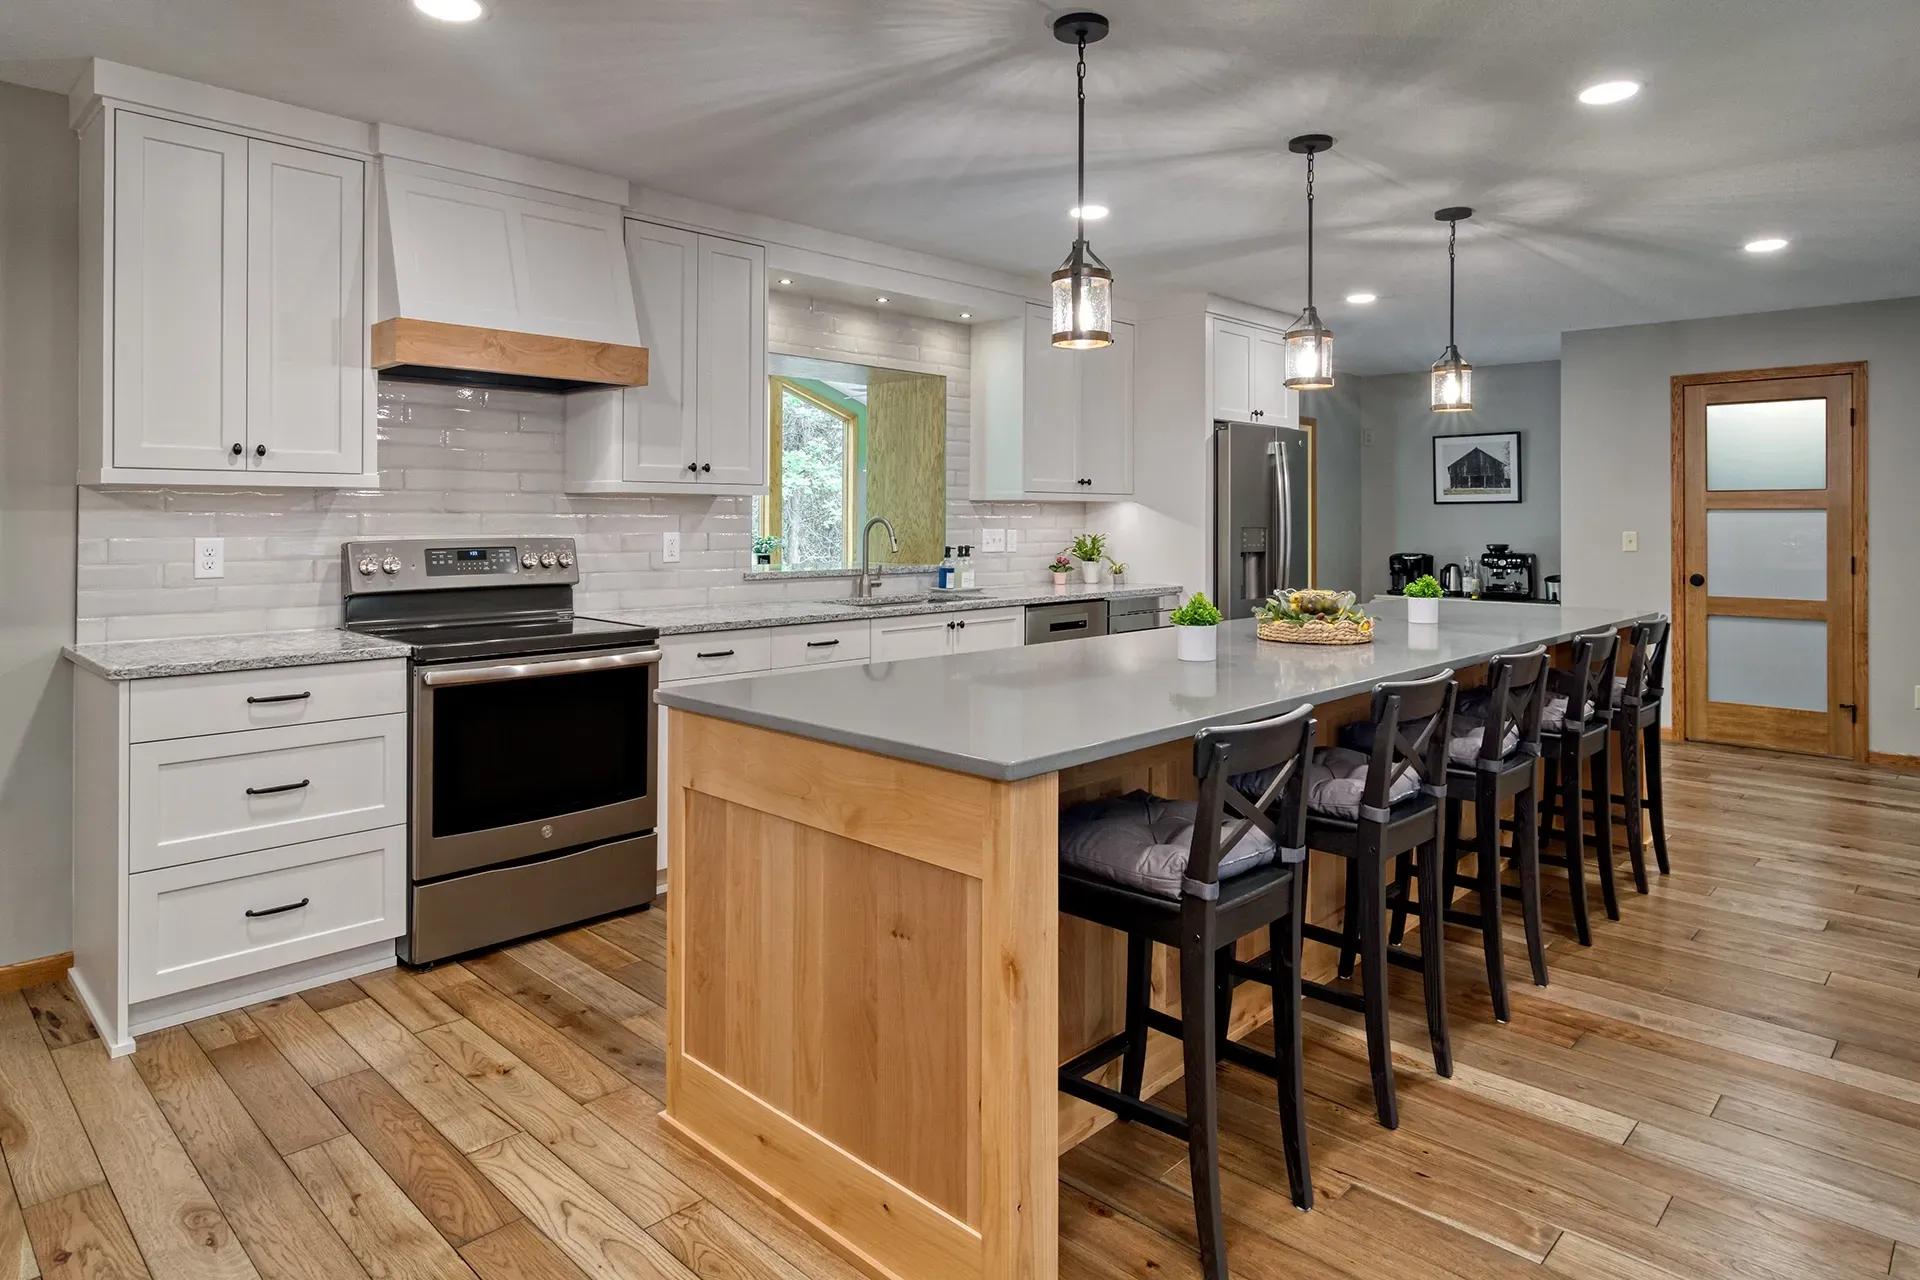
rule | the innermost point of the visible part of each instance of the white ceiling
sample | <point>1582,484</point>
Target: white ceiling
<point>947,126</point>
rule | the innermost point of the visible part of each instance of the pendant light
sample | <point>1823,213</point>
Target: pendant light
<point>1452,376</point>
<point>1082,287</point>
<point>1309,343</point>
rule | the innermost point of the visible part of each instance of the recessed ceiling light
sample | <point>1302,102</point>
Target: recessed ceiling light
<point>450,10</point>
<point>1362,299</point>
<point>1767,244</point>
<point>1090,212</point>
<point>785,280</point>
<point>966,315</point>
<point>879,299</point>
<point>1608,92</point>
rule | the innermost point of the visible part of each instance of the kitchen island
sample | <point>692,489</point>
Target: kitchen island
<point>869,984</point>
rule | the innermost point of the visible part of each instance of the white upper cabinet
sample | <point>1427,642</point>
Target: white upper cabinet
<point>1049,422</point>
<point>1249,374</point>
<point>225,322</point>
<point>700,423</point>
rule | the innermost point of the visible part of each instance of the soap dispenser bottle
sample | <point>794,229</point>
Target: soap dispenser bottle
<point>946,577</point>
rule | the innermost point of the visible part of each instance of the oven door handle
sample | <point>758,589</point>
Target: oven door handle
<point>435,678</point>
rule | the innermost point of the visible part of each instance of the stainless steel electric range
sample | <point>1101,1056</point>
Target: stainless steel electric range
<point>534,732</point>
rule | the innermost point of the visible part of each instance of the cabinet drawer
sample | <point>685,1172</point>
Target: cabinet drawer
<point>715,653</point>
<point>820,644</point>
<point>190,926</point>
<point>189,706</point>
<point>190,799</point>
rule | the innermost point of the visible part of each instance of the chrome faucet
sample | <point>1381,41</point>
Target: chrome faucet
<point>867,583</point>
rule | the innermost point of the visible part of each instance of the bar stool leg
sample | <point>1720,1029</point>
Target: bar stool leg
<point>1369,873</point>
<point>1601,781</point>
<point>1450,857</point>
<point>1283,952</point>
<point>1433,955</point>
<point>1402,898</point>
<point>1574,837</point>
<point>1656,804</point>
<point>1198,1030</point>
<point>1350,936</point>
<point>1486,821</point>
<point>1526,851</point>
<point>1133,1069</point>
<point>1630,792</point>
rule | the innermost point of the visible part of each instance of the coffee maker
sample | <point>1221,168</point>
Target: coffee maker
<point>1405,567</point>
<point>1508,575</point>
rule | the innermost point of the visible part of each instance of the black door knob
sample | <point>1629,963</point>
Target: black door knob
<point>1697,580</point>
<point>259,451</point>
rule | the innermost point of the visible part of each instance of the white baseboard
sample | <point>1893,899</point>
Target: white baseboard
<point>204,1002</point>
<point>101,1023</point>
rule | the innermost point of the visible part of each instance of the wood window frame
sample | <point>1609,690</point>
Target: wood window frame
<point>1676,659</point>
<point>778,386</point>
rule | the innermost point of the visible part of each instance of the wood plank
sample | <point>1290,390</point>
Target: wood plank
<point>1906,1263</point>
<point>715,1247</point>
<point>439,1181</point>
<point>590,946</point>
<point>46,1149</point>
<point>599,1239</point>
<point>436,1090</point>
<point>316,1051</point>
<point>81,1236</point>
<point>559,965</point>
<point>386,1233</point>
<point>638,1058</point>
<point>223,1029</point>
<point>180,1230</point>
<point>411,1002</point>
<point>518,1252</point>
<point>59,1014</point>
<point>281,1103</point>
<point>333,995</point>
<point>1590,1259</point>
<point>32,973</point>
<point>16,1250</point>
<point>279,1227</point>
<point>566,1065</point>
<point>441,345</point>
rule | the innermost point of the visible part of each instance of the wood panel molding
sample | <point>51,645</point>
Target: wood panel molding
<point>401,341</point>
<point>32,973</point>
<point>1894,760</point>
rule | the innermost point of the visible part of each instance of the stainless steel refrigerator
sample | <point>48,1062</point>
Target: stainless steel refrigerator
<point>1261,521</point>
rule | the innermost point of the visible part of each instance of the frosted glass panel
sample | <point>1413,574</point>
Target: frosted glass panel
<point>1779,555</point>
<point>1767,444</point>
<point>1767,662</point>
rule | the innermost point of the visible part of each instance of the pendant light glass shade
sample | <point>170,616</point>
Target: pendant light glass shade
<point>1082,287</point>
<point>1309,343</point>
<point>1452,376</point>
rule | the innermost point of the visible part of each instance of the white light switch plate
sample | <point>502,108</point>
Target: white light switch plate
<point>1629,541</point>
<point>1013,540</point>
<point>993,539</point>
<point>670,548</point>
<point>209,557</point>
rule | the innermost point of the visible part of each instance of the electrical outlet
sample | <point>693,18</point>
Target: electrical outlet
<point>1629,541</point>
<point>209,557</point>
<point>670,548</point>
<point>993,539</point>
<point>1013,540</point>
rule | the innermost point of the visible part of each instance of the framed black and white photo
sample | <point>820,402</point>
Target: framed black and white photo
<point>1483,468</point>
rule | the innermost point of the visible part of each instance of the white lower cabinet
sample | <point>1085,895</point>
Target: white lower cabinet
<point>993,629</point>
<point>236,836</point>
<point>933,635</point>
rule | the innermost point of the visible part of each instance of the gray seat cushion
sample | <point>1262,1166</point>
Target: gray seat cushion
<point>1338,779</point>
<point>1470,729</point>
<point>1553,716</point>
<point>1143,842</point>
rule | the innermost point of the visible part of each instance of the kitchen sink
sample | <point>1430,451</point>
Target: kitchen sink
<point>882,601</point>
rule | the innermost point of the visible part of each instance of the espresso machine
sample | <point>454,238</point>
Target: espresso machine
<point>1506,574</point>
<point>1405,567</point>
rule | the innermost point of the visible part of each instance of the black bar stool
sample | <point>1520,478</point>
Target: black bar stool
<point>1199,878</point>
<point>1370,809</point>
<point>1574,731</point>
<point>1636,719</point>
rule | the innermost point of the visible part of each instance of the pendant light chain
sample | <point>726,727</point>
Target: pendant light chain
<point>1309,230</point>
<point>1452,230</point>
<point>1080,205</point>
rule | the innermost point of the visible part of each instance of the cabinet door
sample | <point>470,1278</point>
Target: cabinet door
<point>662,427</point>
<point>1273,404</point>
<point>1232,372</point>
<point>731,399</point>
<point>992,629</point>
<point>1106,416</point>
<point>179,296</point>
<point>1051,412</point>
<point>306,311</point>
<point>921,636</point>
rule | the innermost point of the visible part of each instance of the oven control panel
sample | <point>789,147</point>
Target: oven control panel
<point>434,564</point>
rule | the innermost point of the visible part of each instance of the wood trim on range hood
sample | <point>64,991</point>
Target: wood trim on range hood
<point>432,350</point>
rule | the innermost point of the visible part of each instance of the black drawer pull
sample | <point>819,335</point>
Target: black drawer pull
<point>1078,624</point>
<point>821,644</point>
<point>276,911</point>
<point>280,697</point>
<point>717,653</point>
<point>285,786</point>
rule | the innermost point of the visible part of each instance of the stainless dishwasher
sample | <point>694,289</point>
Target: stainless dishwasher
<point>1075,620</point>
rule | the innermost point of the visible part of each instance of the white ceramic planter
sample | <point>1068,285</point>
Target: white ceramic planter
<point>1197,644</point>
<point>1423,611</point>
<point>1090,572</point>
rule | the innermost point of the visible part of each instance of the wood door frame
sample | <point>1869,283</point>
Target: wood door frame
<point>1676,662</point>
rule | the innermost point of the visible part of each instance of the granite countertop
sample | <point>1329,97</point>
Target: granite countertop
<point>1016,713</point>
<point>687,619</point>
<point>203,655</point>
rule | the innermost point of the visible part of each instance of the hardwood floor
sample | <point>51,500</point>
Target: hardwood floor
<point>1726,1084</point>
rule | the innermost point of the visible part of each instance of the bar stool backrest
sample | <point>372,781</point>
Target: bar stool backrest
<point>1283,744</point>
<point>1412,725</point>
<point>1517,694</point>
<point>1590,678</point>
<point>1646,646</point>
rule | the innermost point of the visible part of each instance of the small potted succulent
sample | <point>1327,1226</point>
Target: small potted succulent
<point>1117,571</point>
<point>764,545</point>
<point>1423,600</point>
<point>1060,568</point>
<point>1196,629</point>
<point>1089,549</point>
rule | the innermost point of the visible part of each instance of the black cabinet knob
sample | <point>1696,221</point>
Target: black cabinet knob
<point>1697,580</point>
<point>706,466</point>
<point>693,466</point>
<point>238,449</point>
<point>961,624</point>
<point>259,451</point>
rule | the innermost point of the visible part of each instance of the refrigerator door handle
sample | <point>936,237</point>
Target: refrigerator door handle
<point>1283,517</point>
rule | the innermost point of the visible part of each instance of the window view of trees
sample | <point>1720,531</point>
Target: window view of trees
<point>814,474</point>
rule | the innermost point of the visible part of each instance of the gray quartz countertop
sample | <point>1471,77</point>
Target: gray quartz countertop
<point>1015,713</point>
<point>687,619</point>
<point>202,655</point>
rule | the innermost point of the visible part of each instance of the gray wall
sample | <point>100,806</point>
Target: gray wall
<point>1617,440</point>
<point>1396,488</point>
<point>39,253</point>
<point>1336,415</point>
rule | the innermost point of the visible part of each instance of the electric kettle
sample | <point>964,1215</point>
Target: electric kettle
<point>1452,581</point>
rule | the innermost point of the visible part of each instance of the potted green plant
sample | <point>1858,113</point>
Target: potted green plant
<point>1423,600</point>
<point>1089,549</point>
<point>1117,570</point>
<point>764,545</point>
<point>1060,568</point>
<point>1196,629</point>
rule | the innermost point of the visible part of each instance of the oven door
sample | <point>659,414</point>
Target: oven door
<point>513,760</point>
